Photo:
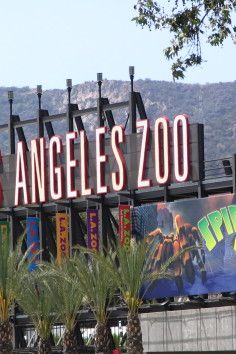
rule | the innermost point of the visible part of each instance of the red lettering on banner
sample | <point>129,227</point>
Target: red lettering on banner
<point>144,124</point>
<point>71,164</point>
<point>57,178</point>
<point>124,225</point>
<point>22,182</point>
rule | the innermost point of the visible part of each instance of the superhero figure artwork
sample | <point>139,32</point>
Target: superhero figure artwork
<point>202,232</point>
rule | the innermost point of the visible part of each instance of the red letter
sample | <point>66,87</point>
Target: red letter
<point>162,150</point>
<point>21,174</point>
<point>143,154</point>
<point>57,180</point>
<point>71,163</point>
<point>182,166</point>
<point>101,159</point>
<point>119,179</point>
<point>38,170</point>
<point>85,190</point>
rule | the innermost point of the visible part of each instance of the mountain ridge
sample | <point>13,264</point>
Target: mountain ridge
<point>213,104</point>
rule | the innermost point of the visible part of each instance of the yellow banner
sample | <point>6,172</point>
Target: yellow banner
<point>63,246</point>
<point>4,231</point>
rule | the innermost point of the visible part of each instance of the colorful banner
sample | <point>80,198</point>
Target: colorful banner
<point>33,242</point>
<point>63,246</point>
<point>124,224</point>
<point>207,225</point>
<point>92,229</point>
<point>4,231</point>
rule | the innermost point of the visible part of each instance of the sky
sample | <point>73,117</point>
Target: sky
<point>47,41</point>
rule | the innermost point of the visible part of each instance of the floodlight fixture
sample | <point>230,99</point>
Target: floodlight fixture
<point>99,77</point>
<point>10,95</point>
<point>39,90</point>
<point>69,83</point>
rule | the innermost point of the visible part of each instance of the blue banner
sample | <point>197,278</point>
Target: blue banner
<point>33,241</point>
<point>208,227</point>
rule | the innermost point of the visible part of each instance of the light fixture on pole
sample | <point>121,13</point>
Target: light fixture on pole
<point>131,75</point>
<point>10,99</point>
<point>39,94</point>
<point>99,81</point>
<point>69,88</point>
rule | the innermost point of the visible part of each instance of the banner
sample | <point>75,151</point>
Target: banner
<point>63,246</point>
<point>4,231</point>
<point>32,234</point>
<point>124,225</point>
<point>206,225</point>
<point>92,229</point>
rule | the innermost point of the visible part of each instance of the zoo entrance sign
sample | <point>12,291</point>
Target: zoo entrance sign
<point>55,170</point>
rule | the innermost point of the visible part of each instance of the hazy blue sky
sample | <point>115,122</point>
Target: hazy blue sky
<point>47,41</point>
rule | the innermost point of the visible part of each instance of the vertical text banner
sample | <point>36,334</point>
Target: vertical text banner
<point>124,225</point>
<point>4,231</point>
<point>33,242</point>
<point>63,247</point>
<point>92,229</point>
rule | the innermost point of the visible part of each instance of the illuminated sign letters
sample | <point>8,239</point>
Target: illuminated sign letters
<point>171,148</point>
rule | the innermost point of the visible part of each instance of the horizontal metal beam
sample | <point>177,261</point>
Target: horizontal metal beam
<point>117,313</point>
<point>154,194</point>
<point>3,127</point>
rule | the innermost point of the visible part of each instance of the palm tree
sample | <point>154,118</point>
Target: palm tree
<point>36,299</point>
<point>99,288</point>
<point>133,278</point>
<point>130,276</point>
<point>12,263</point>
<point>65,286</point>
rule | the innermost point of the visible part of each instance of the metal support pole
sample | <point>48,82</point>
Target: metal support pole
<point>42,233</point>
<point>132,104</point>
<point>166,194</point>
<point>234,172</point>
<point>69,108</point>
<point>99,103</point>
<point>39,119</point>
<point>13,229</point>
<point>42,218</point>
<point>11,130</point>
<point>102,209</point>
<point>70,125</point>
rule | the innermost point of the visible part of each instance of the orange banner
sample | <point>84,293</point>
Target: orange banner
<point>63,247</point>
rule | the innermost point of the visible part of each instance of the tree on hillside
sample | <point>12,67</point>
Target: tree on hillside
<point>189,22</point>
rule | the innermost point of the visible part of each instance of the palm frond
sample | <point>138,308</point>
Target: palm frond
<point>65,286</point>
<point>95,281</point>
<point>35,297</point>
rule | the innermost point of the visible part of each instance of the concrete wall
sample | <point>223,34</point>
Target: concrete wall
<point>190,330</point>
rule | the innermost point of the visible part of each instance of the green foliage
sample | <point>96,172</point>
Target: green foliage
<point>96,283</point>
<point>189,22</point>
<point>131,272</point>
<point>12,263</point>
<point>65,286</point>
<point>35,297</point>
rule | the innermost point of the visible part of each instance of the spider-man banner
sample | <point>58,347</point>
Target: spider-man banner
<point>210,225</point>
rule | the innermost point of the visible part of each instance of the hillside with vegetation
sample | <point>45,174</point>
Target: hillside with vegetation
<point>211,104</point>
